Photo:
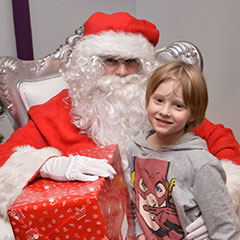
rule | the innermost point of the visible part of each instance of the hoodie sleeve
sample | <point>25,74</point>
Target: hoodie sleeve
<point>214,201</point>
<point>220,140</point>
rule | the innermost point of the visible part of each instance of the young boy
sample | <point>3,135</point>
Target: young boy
<point>174,177</point>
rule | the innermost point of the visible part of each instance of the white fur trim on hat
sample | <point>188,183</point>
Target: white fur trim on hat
<point>116,44</point>
<point>18,170</point>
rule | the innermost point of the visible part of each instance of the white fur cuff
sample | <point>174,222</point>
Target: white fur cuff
<point>18,170</point>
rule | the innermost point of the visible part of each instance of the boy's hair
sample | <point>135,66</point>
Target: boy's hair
<point>195,93</point>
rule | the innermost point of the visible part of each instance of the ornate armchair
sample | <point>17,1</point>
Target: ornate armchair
<point>27,83</point>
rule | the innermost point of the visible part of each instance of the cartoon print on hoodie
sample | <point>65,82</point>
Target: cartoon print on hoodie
<point>151,193</point>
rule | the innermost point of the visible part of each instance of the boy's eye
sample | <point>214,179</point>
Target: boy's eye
<point>179,106</point>
<point>159,100</point>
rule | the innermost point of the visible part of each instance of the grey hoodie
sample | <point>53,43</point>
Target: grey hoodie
<point>195,183</point>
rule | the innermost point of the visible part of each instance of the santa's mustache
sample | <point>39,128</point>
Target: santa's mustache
<point>115,84</point>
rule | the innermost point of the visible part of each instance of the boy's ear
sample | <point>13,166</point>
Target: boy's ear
<point>191,119</point>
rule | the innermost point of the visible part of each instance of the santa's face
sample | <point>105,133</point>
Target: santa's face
<point>120,67</point>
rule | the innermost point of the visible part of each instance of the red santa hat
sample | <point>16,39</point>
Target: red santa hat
<point>120,35</point>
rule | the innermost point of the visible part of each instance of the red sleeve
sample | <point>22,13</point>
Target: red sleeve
<point>220,140</point>
<point>26,135</point>
<point>49,126</point>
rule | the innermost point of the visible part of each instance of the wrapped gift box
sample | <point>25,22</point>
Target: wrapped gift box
<point>97,210</point>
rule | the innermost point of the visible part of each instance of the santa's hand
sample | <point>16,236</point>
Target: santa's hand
<point>197,230</point>
<point>76,168</point>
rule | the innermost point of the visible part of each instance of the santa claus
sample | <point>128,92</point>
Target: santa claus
<point>103,105</point>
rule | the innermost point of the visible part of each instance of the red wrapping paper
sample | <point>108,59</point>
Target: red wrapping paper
<point>97,210</point>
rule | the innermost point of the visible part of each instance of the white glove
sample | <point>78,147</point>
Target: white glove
<point>77,167</point>
<point>197,230</point>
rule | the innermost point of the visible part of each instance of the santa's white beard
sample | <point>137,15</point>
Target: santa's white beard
<point>111,110</point>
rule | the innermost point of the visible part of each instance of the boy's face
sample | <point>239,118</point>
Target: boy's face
<point>167,113</point>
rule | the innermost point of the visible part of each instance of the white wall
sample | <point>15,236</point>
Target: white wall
<point>211,25</point>
<point>7,48</point>
<point>53,21</point>
<point>7,39</point>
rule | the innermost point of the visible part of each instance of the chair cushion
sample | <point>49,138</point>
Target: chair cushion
<point>40,91</point>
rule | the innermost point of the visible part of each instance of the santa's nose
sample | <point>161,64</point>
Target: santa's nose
<point>122,70</point>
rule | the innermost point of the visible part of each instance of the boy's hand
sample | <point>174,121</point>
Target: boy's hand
<point>197,230</point>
